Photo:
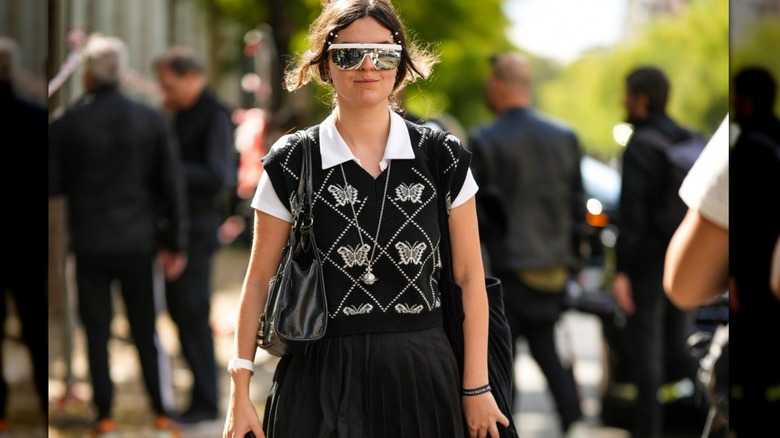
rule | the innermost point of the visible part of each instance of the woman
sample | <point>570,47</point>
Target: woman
<point>385,367</point>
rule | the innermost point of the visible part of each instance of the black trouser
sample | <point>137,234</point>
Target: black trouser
<point>135,274</point>
<point>29,297</point>
<point>533,314</point>
<point>189,304</point>
<point>658,334</point>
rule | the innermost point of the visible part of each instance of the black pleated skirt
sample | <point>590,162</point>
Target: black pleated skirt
<point>372,385</point>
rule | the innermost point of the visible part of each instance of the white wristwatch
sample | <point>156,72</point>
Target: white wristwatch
<point>241,363</point>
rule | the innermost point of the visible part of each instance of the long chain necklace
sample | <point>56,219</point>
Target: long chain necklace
<point>368,277</point>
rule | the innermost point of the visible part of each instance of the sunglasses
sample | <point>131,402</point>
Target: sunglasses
<point>350,56</point>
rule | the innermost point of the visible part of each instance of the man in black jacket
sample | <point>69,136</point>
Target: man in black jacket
<point>205,134</point>
<point>656,329</point>
<point>532,164</point>
<point>115,162</point>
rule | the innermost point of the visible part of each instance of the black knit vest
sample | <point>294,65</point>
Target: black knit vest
<point>405,259</point>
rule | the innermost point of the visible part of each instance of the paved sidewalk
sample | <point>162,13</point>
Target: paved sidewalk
<point>70,414</point>
<point>24,413</point>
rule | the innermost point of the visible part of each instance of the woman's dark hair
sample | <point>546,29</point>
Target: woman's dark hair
<point>416,61</point>
<point>651,82</point>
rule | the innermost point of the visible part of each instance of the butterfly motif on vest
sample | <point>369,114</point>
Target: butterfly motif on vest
<point>405,308</point>
<point>411,193</point>
<point>344,195</point>
<point>355,256</point>
<point>410,253</point>
<point>363,308</point>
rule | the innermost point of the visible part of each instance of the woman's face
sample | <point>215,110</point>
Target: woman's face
<point>364,86</point>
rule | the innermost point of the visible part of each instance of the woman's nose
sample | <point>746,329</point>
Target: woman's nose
<point>363,65</point>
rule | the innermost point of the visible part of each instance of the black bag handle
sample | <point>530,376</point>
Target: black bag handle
<point>304,218</point>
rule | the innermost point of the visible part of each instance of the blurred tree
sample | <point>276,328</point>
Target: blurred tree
<point>465,33</point>
<point>285,18</point>
<point>692,47</point>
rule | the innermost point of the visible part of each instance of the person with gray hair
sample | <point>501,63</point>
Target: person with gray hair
<point>116,164</point>
<point>105,60</point>
<point>27,119</point>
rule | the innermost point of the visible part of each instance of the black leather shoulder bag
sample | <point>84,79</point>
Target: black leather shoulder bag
<point>296,311</point>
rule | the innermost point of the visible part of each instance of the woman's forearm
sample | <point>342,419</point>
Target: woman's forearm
<point>469,274</point>
<point>270,237</point>
<point>475,333</point>
<point>696,264</point>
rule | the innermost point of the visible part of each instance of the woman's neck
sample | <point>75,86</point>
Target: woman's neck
<point>365,131</point>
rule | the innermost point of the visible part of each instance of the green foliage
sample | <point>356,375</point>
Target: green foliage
<point>465,34</point>
<point>691,47</point>
<point>246,12</point>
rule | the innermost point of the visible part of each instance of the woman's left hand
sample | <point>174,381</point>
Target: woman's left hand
<point>483,415</point>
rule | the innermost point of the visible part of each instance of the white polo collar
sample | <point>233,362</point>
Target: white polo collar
<point>334,149</point>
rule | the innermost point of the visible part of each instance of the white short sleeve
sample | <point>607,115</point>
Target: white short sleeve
<point>267,201</point>
<point>706,187</point>
<point>468,190</point>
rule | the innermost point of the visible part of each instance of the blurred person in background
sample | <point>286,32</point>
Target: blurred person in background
<point>657,330</point>
<point>25,119</point>
<point>755,312</point>
<point>696,267</point>
<point>533,162</point>
<point>116,164</point>
<point>204,131</point>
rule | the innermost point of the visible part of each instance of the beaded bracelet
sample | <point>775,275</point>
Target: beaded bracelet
<point>476,391</point>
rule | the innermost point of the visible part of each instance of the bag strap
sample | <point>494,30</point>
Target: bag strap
<point>304,221</point>
<point>435,142</point>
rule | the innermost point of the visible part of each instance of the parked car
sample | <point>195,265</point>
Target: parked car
<point>601,184</point>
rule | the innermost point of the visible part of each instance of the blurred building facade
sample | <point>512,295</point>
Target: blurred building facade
<point>743,15</point>
<point>639,12</point>
<point>148,27</point>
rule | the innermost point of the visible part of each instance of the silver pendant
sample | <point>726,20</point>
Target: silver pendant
<point>369,278</point>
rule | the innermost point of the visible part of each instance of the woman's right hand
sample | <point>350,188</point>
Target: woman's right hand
<point>241,419</point>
